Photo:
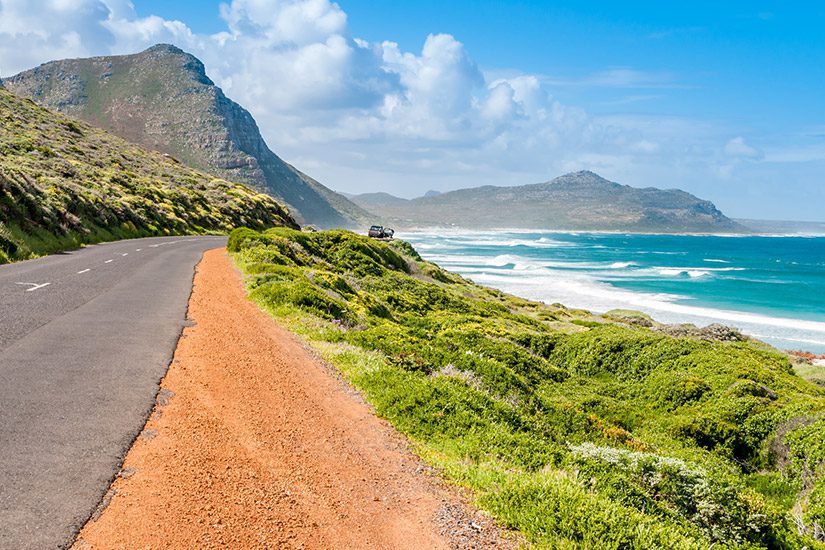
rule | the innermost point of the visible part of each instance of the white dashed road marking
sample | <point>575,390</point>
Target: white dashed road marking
<point>163,244</point>
<point>108,261</point>
<point>125,254</point>
<point>84,271</point>
<point>34,286</point>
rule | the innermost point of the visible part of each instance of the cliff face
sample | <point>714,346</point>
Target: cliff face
<point>576,201</point>
<point>162,99</point>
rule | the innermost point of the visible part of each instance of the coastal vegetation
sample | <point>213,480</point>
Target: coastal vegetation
<point>574,429</point>
<point>64,183</point>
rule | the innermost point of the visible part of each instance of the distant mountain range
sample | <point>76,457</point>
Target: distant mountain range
<point>784,227</point>
<point>162,99</point>
<point>576,201</point>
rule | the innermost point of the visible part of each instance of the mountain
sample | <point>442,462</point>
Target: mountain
<point>576,201</point>
<point>784,227</point>
<point>379,200</point>
<point>64,183</point>
<point>162,99</point>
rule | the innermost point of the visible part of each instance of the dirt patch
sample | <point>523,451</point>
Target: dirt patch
<point>256,445</point>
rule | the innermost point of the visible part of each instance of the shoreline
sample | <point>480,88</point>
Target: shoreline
<point>457,229</point>
<point>549,279</point>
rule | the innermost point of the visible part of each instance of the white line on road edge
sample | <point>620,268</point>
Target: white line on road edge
<point>34,286</point>
<point>84,271</point>
<point>108,261</point>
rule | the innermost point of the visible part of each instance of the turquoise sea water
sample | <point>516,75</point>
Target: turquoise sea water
<point>772,288</point>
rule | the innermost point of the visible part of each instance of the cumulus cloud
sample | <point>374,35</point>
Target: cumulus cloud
<point>297,22</point>
<point>35,31</point>
<point>358,114</point>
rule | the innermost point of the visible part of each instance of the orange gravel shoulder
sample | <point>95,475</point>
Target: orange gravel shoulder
<point>254,443</point>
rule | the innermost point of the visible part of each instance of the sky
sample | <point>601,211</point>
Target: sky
<point>721,99</point>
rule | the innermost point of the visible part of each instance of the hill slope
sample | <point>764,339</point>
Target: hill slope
<point>64,183</point>
<point>162,99</point>
<point>580,431</point>
<point>577,201</point>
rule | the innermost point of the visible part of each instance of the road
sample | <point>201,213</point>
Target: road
<point>85,338</point>
<point>264,446</point>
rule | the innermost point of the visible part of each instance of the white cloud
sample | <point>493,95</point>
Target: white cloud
<point>436,92</point>
<point>738,148</point>
<point>34,31</point>
<point>500,105</point>
<point>297,22</point>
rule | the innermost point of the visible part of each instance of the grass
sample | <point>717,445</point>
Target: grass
<point>814,373</point>
<point>64,184</point>
<point>578,431</point>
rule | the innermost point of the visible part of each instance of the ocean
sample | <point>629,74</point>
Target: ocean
<point>770,287</point>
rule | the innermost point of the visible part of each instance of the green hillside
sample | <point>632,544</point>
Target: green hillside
<point>579,431</point>
<point>64,183</point>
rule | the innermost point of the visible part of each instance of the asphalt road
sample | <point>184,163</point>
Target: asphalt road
<point>85,338</point>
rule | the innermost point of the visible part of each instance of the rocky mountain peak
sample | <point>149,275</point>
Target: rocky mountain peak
<point>176,60</point>
<point>582,177</point>
<point>165,49</point>
<point>162,99</point>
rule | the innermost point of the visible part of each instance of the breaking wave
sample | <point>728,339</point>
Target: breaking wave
<point>601,273</point>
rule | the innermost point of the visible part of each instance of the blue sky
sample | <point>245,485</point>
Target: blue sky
<point>738,61</point>
<point>723,99</point>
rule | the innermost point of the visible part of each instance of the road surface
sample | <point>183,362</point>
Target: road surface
<point>85,338</point>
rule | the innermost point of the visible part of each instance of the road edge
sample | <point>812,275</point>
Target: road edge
<point>110,492</point>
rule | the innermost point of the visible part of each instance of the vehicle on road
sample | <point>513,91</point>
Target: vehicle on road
<point>381,232</point>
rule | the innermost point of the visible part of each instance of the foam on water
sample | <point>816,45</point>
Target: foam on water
<point>582,271</point>
<point>585,293</point>
<point>694,271</point>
